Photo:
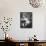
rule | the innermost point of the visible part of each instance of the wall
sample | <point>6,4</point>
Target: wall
<point>12,8</point>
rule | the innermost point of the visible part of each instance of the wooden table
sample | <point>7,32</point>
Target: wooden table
<point>28,43</point>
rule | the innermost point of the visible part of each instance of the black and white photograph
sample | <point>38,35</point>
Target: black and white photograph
<point>25,19</point>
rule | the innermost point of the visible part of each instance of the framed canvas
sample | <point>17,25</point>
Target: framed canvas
<point>25,19</point>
